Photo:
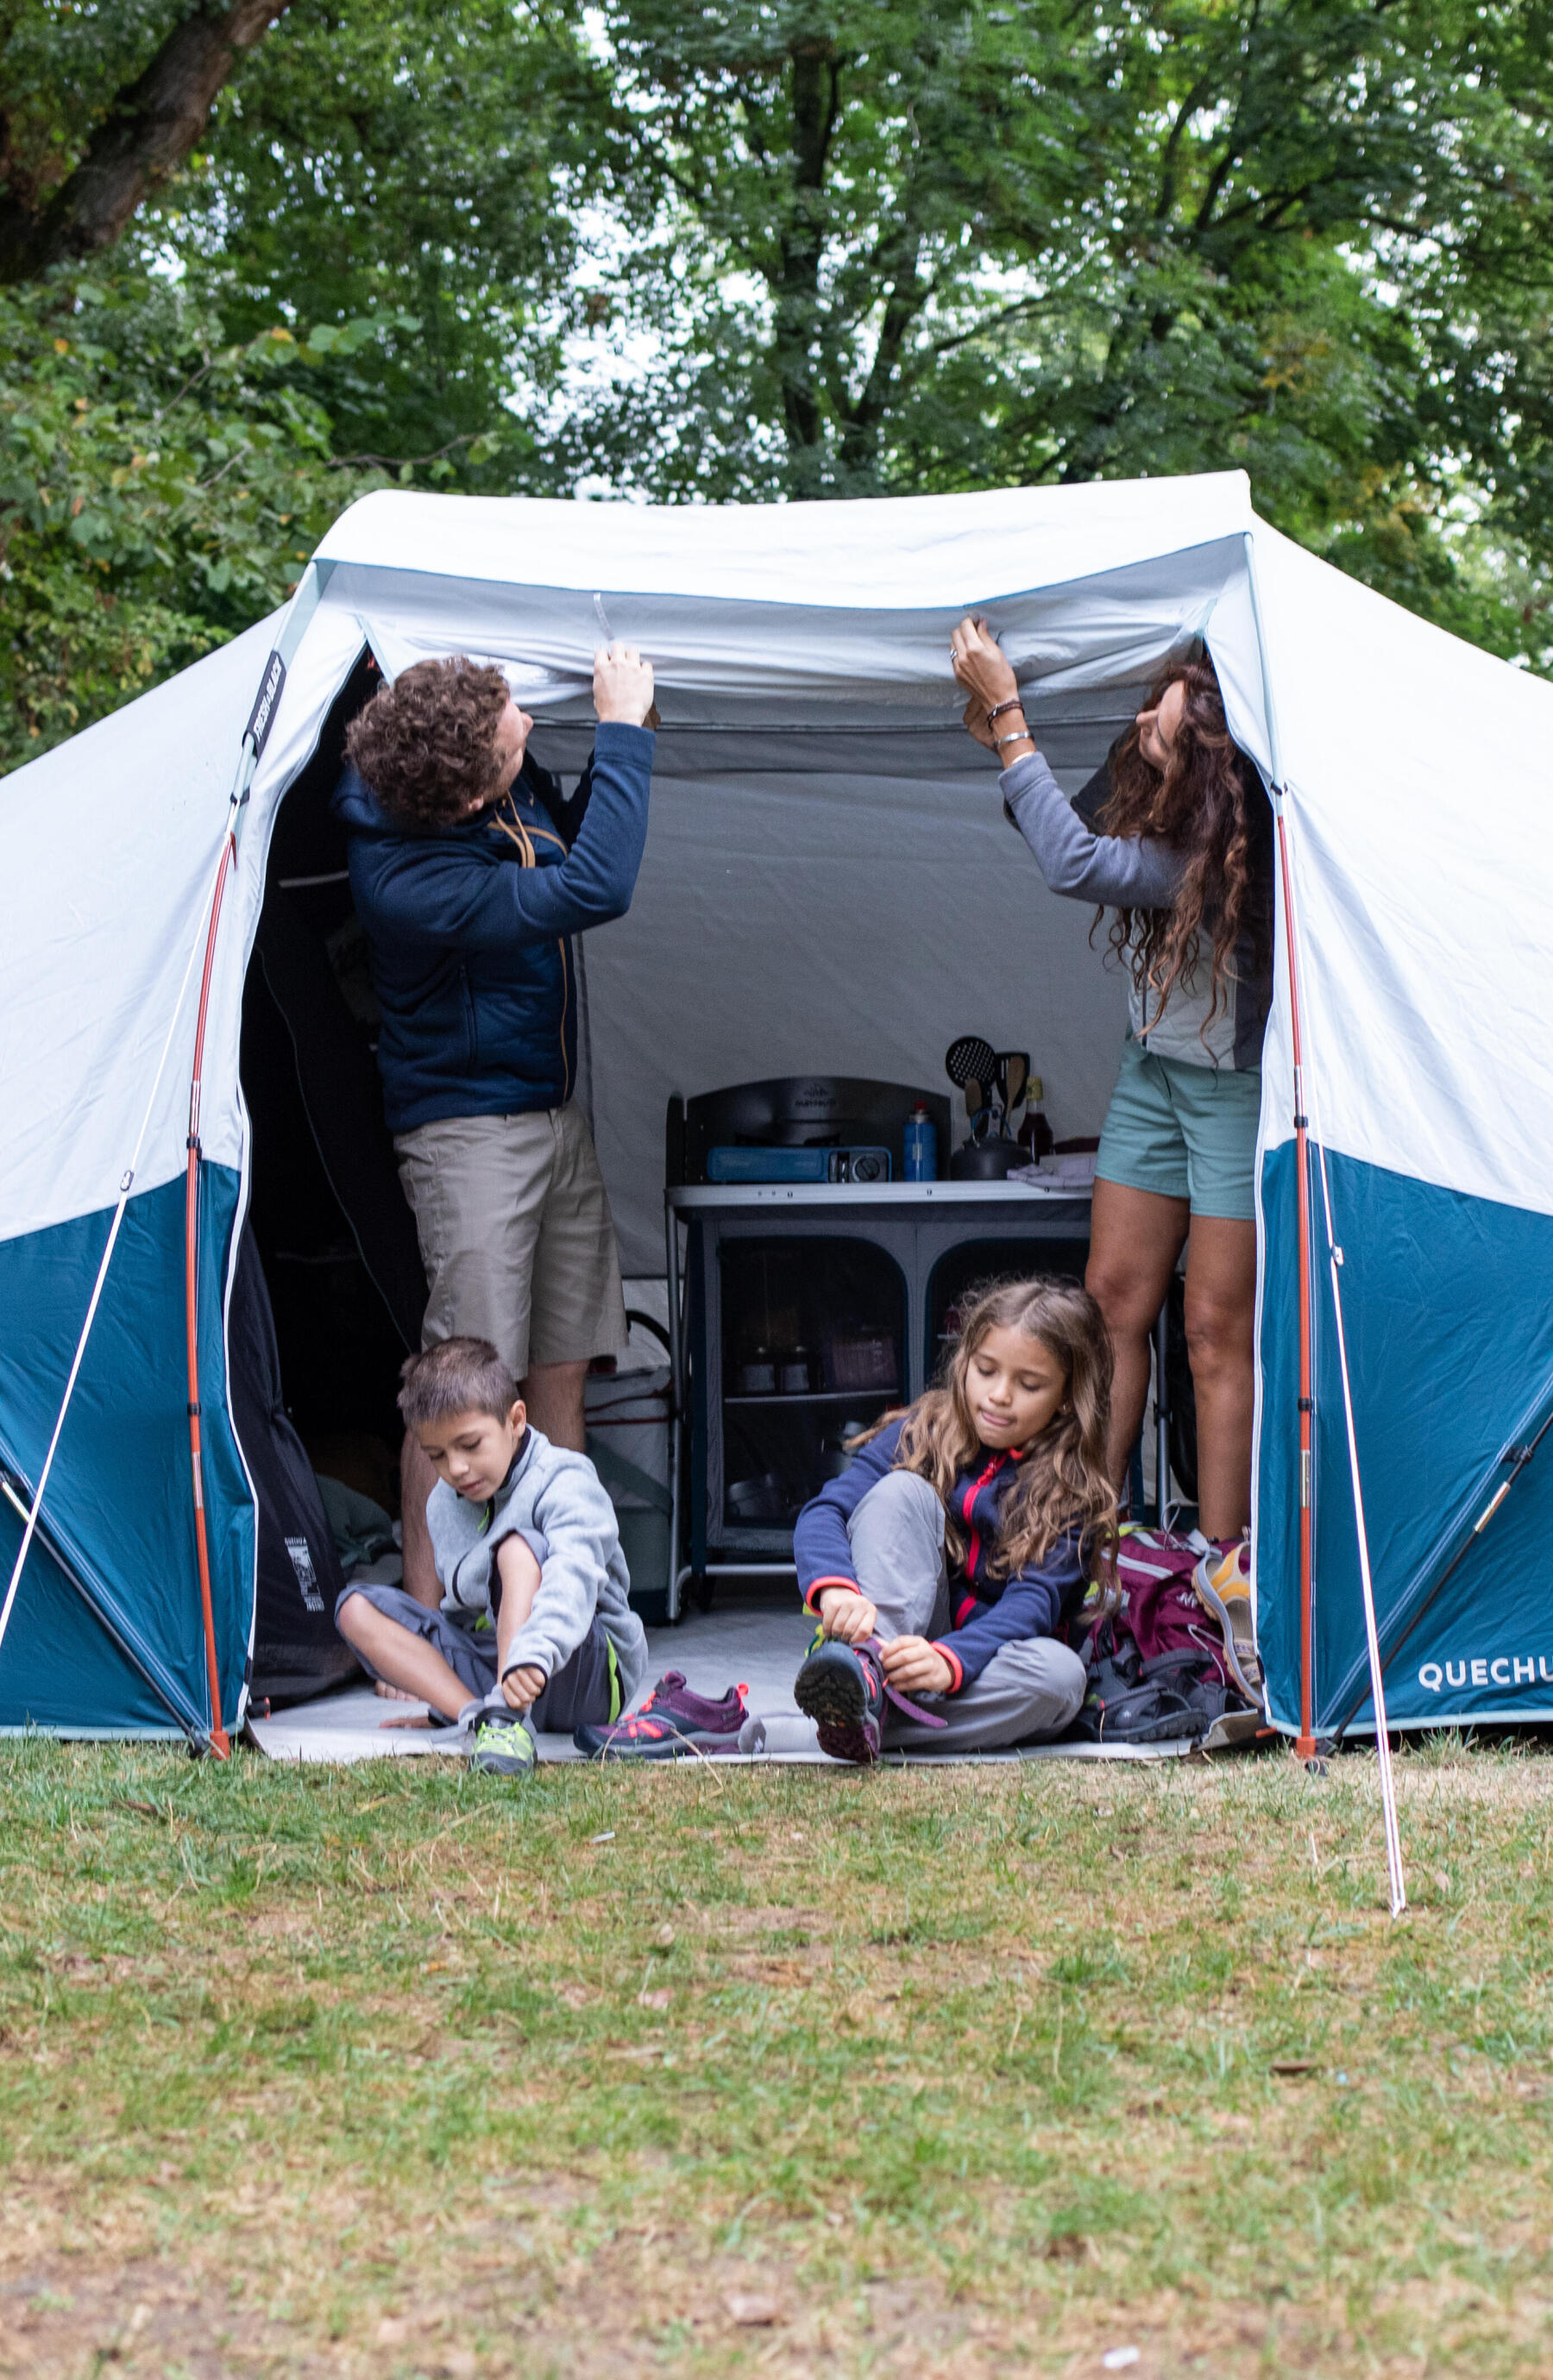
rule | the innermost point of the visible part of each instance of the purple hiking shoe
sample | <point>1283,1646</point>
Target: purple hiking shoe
<point>841,1688</point>
<point>844,1689</point>
<point>673,1724</point>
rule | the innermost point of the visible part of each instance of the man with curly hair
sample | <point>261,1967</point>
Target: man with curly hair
<point>471,874</point>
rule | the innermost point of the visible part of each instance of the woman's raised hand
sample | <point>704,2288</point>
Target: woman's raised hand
<point>987,676</point>
<point>980,665</point>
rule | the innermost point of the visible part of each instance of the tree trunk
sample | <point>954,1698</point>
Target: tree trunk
<point>908,294</point>
<point>816,103</point>
<point>150,128</point>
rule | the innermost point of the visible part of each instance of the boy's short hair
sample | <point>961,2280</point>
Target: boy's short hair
<point>427,743</point>
<point>456,1376</point>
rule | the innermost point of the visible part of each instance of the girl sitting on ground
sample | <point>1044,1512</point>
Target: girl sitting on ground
<point>949,1560</point>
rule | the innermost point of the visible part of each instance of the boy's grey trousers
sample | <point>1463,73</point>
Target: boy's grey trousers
<point>1029,1688</point>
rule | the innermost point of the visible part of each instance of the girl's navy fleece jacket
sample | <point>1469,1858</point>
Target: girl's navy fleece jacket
<point>987,1612</point>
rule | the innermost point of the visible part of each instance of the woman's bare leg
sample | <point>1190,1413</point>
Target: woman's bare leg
<point>1220,1331</point>
<point>1134,1239</point>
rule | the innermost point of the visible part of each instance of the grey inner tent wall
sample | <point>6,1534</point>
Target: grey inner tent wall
<point>830,885</point>
<point>791,920</point>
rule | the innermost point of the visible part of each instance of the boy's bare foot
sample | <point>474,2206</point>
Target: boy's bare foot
<point>396,1693</point>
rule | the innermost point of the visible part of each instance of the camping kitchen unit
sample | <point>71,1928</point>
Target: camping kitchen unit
<point>196,1232</point>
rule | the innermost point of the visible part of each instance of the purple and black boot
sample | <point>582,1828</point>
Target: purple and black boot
<point>841,1688</point>
<point>844,1689</point>
<point>673,1724</point>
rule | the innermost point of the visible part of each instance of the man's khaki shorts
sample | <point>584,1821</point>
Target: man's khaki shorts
<point>516,1235</point>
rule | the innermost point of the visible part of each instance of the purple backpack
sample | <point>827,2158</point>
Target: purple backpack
<point>1160,1608</point>
<point>1158,1664</point>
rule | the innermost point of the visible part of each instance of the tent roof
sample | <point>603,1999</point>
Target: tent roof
<point>909,554</point>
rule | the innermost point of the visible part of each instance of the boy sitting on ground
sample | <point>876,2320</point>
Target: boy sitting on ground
<point>534,1630</point>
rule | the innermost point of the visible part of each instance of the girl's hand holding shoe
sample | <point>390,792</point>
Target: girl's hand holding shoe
<point>848,1617</point>
<point>916,1667</point>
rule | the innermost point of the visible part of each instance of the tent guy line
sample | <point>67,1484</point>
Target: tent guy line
<point>1308,1095</point>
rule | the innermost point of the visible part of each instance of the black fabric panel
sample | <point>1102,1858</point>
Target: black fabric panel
<point>296,1649</point>
<point>343,1098</point>
<point>1094,794</point>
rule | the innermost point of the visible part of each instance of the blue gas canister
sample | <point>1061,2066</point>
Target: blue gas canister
<point>922,1147</point>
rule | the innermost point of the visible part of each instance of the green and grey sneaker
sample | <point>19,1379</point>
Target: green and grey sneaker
<point>502,1745</point>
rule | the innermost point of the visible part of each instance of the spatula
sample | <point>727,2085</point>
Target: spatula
<point>970,1059</point>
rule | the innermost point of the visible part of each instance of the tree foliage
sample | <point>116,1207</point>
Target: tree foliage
<point>159,490</point>
<point>777,249</point>
<point>886,248</point>
<point>72,183</point>
<point>424,159</point>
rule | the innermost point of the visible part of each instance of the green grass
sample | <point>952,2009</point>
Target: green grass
<point>391,2071</point>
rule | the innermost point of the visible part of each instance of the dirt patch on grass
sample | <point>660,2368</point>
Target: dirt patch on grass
<point>67,2317</point>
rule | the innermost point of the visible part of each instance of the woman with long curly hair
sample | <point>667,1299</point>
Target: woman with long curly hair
<point>949,1560</point>
<point>1174,837</point>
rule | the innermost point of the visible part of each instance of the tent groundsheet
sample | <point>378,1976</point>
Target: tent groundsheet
<point>760,1648</point>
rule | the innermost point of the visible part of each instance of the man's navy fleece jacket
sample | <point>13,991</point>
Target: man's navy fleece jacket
<point>471,948</point>
<point>987,1612</point>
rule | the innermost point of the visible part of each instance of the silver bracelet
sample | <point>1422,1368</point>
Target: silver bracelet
<point>1022,736</point>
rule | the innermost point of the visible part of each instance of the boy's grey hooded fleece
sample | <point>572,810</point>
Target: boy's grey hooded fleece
<point>552,1499</point>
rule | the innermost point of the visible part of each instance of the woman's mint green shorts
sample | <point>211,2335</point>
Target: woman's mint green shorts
<point>1183,1131</point>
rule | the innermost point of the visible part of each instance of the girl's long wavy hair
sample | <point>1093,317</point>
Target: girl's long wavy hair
<point>1061,1483</point>
<point>1209,805</point>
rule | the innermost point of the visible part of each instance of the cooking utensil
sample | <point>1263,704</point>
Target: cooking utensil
<point>1016,1065</point>
<point>984,1160</point>
<point>969,1059</point>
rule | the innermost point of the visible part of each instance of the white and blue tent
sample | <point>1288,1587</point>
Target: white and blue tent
<point>828,885</point>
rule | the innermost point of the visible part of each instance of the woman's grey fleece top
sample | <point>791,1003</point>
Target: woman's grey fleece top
<point>1140,872</point>
<point>552,1499</point>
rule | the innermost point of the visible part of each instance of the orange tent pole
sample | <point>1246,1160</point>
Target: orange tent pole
<point>220,1742</point>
